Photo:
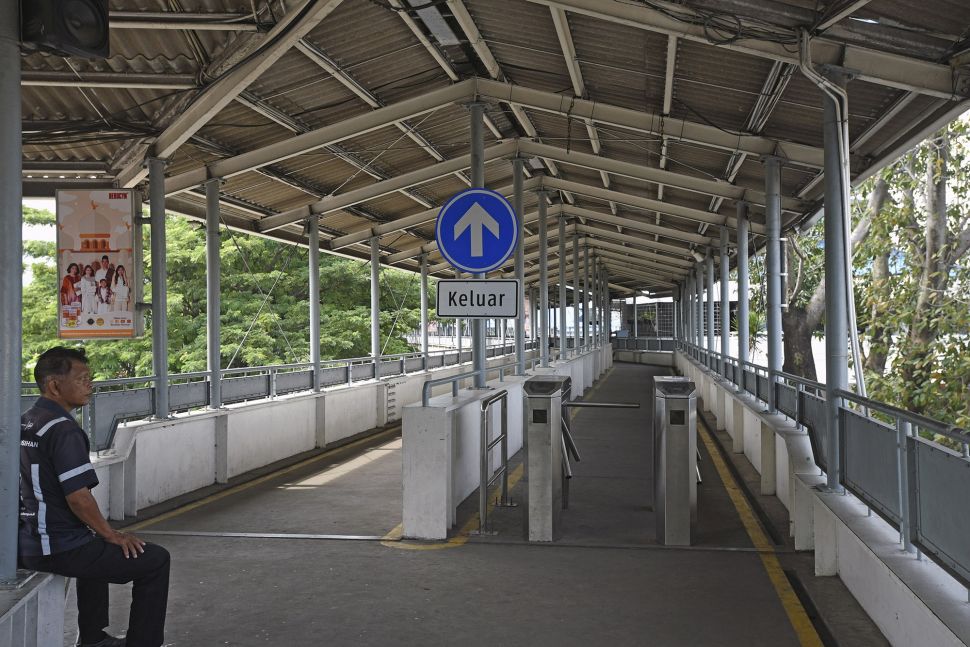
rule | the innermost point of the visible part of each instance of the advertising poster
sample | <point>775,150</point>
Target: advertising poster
<point>98,264</point>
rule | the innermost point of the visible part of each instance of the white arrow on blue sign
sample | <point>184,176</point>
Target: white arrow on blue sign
<point>476,230</point>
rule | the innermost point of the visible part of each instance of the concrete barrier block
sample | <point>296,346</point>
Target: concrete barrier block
<point>769,475</point>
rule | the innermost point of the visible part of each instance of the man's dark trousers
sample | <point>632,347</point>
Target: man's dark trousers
<point>98,563</point>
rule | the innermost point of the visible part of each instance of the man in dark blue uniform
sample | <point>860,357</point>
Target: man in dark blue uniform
<point>62,529</point>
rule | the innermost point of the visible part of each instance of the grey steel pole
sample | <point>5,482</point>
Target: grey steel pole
<point>313,225</point>
<point>518,170</point>
<point>725,302</point>
<point>533,312</point>
<point>699,282</point>
<point>458,331</point>
<point>11,290</point>
<point>424,310</point>
<point>213,279</point>
<point>743,297</point>
<point>689,311</point>
<point>586,338</point>
<point>156,196</point>
<point>543,286</point>
<point>836,315</point>
<point>375,305</point>
<point>562,287</point>
<point>709,310</point>
<point>576,294</point>
<point>477,170</point>
<point>773,227</point>
<point>636,325</point>
<point>593,304</point>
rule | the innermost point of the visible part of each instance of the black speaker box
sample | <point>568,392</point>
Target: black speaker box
<point>65,27</point>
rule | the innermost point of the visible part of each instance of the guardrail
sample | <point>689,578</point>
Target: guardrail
<point>915,484</point>
<point>660,344</point>
<point>486,447</point>
<point>118,400</point>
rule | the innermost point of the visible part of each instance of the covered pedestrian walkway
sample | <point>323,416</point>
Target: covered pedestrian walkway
<point>312,555</point>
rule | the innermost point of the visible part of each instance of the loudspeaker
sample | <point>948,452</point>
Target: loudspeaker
<point>65,27</point>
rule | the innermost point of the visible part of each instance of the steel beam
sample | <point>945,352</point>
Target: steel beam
<point>563,347</point>
<point>375,305</point>
<point>773,263</point>
<point>476,110</point>
<point>649,243</point>
<point>870,65</point>
<point>104,80</point>
<point>543,287</point>
<point>518,168</point>
<point>11,301</point>
<point>313,225</point>
<point>743,298</point>
<point>725,301</point>
<point>213,306</point>
<point>156,189</point>
<point>424,310</point>
<point>632,223</point>
<point>709,311</point>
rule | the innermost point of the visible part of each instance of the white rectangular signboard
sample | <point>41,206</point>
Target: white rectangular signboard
<point>478,298</point>
<point>98,264</point>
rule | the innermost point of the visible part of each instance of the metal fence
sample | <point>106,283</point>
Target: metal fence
<point>115,401</point>
<point>888,457</point>
<point>668,344</point>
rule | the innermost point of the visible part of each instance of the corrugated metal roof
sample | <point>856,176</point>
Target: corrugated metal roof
<point>621,65</point>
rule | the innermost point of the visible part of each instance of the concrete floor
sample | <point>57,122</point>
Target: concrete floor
<point>606,581</point>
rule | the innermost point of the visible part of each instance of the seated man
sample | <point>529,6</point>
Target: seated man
<point>61,527</point>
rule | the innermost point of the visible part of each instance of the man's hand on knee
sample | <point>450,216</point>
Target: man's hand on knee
<point>131,545</point>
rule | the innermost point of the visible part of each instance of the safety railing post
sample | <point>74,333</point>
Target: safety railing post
<point>904,430</point>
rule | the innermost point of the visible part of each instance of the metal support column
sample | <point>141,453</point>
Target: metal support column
<point>533,313</point>
<point>773,257</point>
<point>636,325</point>
<point>518,170</point>
<point>477,172</point>
<point>424,311</point>
<point>213,306</point>
<point>744,224</point>
<point>699,286</point>
<point>156,195</point>
<point>586,339</point>
<point>836,313</point>
<point>709,310</point>
<point>576,294</point>
<point>725,302</point>
<point>594,304</point>
<point>11,291</point>
<point>313,226</point>
<point>375,305</point>
<point>562,288</point>
<point>543,286</point>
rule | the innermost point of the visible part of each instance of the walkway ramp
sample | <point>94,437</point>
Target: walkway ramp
<point>310,557</point>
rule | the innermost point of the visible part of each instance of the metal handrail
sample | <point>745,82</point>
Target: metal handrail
<point>950,431</point>
<point>486,447</point>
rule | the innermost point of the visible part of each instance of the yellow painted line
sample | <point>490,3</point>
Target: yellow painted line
<point>800,622</point>
<point>212,498</point>
<point>392,539</point>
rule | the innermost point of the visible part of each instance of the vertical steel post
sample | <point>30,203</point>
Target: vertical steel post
<point>773,257</point>
<point>586,339</point>
<point>375,304</point>
<point>562,287</point>
<point>156,195</point>
<point>424,310</point>
<point>743,297</point>
<point>213,278</point>
<point>593,307</point>
<point>11,290</point>
<point>518,170</point>
<point>699,283</point>
<point>636,324</point>
<point>836,314</point>
<point>477,169</point>
<point>533,313</point>
<point>576,293</point>
<point>725,302</point>
<point>689,311</point>
<point>313,225</point>
<point>543,285</point>
<point>709,311</point>
<point>458,331</point>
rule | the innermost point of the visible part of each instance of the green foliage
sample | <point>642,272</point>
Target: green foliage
<point>265,305</point>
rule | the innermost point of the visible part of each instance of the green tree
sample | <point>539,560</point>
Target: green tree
<point>265,305</point>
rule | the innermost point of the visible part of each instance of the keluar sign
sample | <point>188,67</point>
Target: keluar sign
<point>98,264</point>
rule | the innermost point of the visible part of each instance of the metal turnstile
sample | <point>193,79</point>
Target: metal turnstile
<point>544,397</point>
<point>675,459</point>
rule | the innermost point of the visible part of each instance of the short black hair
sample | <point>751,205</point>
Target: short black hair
<point>56,361</point>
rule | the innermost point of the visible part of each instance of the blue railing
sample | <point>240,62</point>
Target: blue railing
<point>888,457</point>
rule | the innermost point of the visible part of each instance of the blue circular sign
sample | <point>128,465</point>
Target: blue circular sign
<point>476,230</point>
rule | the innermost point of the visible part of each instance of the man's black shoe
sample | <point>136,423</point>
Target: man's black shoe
<point>107,641</point>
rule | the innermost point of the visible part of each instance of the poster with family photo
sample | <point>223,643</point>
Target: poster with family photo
<point>98,264</point>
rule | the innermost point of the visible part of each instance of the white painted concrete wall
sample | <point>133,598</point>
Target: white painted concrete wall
<point>442,446</point>
<point>913,602</point>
